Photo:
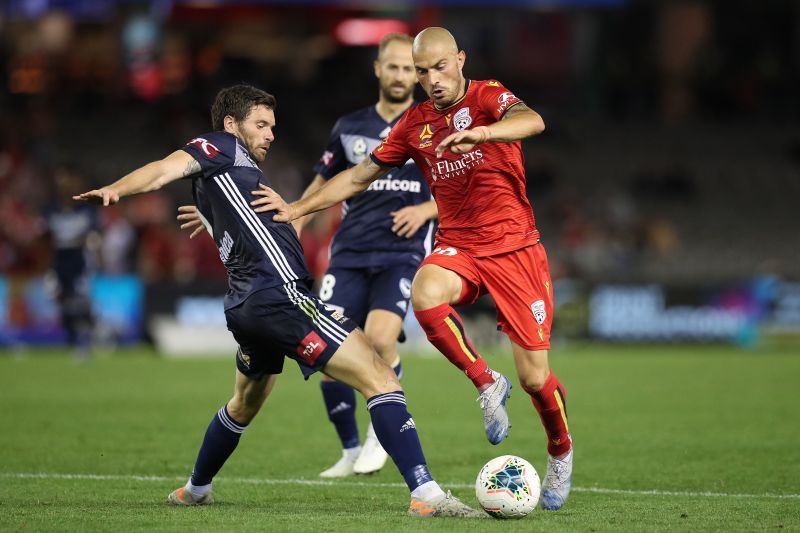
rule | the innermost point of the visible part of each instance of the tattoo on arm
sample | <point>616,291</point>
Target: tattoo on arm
<point>516,109</point>
<point>192,167</point>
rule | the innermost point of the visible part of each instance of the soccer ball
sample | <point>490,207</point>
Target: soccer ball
<point>508,487</point>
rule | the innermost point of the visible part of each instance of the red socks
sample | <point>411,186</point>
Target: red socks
<point>551,403</point>
<point>444,329</point>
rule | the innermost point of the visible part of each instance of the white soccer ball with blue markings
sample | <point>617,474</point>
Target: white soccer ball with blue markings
<point>508,487</point>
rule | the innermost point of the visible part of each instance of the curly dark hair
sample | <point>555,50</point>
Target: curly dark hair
<point>238,101</point>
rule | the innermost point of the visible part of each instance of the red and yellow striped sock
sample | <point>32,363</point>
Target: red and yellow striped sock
<point>445,330</point>
<point>551,403</point>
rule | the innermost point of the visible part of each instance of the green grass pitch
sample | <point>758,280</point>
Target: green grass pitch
<point>667,438</point>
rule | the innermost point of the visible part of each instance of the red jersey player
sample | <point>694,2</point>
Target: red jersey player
<point>466,141</point>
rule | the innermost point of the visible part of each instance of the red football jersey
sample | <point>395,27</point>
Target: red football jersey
<point>481,197</point>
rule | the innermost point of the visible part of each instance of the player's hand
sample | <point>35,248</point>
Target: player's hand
<point>190,217</point>
<point>463,141</point>
<point>407,221</point>
<point>104,196</point>
<point>272,201</point>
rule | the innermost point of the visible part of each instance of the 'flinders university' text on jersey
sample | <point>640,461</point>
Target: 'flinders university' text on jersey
<point>483,207</point>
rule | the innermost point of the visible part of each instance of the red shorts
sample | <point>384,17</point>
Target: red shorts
<point>519,283</point>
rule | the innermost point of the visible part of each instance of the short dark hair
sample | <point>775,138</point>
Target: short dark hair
<point>391,37</point>
<point>238,101</point>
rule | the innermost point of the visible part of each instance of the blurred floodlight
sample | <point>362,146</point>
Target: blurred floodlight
<point>367,32</point>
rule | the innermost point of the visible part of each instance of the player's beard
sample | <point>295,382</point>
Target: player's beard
<point>386,91</point>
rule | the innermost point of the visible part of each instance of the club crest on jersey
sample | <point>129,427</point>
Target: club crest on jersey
<point>311,347</point>
<point>539,312</point>
<point>327,158</point>
<point>425,135</point>
<point>209,149</point>
<point>462,120</point>
<point>359,149</point>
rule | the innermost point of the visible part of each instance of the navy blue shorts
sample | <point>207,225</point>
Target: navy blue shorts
<point>357,291</point>
<point>285,321</point>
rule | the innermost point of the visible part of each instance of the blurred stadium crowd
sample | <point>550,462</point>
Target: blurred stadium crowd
<point>672,152</point>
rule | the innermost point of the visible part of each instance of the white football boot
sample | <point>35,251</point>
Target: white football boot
<point>493,403</point>
<point>182,496</point>
<point>557,482</point>
<point>344,466</point>
<point>445,506</point>
<point>372,456</point>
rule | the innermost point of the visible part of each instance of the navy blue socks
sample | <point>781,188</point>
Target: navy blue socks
<point>397,434</point>
<point>340,401</point>
<point>221,439</point>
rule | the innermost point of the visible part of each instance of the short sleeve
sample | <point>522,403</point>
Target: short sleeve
<point>209,151</point>
<point>393,151</point>
<point>495,99</point>
<point>333,159</point>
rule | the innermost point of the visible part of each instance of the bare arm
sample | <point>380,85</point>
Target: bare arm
<point>519,122</point>
<point>342,186</point>
<point>315,185</point>
<point>150,177</point>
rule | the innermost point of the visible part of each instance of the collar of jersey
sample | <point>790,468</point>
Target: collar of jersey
<point>451,106</point>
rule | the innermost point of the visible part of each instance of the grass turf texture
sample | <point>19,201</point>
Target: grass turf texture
<point>654,427</point>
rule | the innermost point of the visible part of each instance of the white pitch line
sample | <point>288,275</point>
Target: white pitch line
<point>320,482</point>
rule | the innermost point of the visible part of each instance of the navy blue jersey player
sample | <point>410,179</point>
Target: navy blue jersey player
<point>385,233</point>
<point>73,232</point>
<point>269,307</point>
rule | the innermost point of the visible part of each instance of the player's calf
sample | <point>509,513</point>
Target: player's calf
<point>357,364</point>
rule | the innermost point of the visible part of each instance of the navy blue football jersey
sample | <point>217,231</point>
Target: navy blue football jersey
<point>69,229</point>
<point>365,237</point>
<point>257,252</point>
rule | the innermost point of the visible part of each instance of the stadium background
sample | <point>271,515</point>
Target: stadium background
<point>665,186</point>
<point>669,168</point>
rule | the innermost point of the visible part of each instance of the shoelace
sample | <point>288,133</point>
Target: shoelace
<point>553,477</point>
<point>483,398</point>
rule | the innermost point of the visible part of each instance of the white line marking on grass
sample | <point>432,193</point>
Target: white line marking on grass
<point>325,483</point>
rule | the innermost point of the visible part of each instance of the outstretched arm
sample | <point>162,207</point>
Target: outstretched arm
<point>342,186</point>
<point>519,122</point>
<point>150,177</point>
<point>315,185</point>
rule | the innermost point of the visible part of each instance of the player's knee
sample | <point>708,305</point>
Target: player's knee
<point>385,346</point>
<point>533,379</point>
<point>382,379</point>
<point>426,294</point>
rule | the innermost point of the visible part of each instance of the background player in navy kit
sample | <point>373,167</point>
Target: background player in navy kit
<point>73,231</point>
<point>268,306</point>
<point>384,235</point>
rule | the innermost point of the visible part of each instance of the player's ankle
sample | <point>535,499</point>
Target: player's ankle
<point>481,375</point>
<point>429,491</point>
<point>197,491</point>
